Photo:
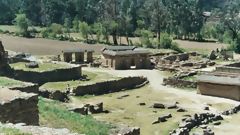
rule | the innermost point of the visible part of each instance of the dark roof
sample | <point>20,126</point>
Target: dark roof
<point>77,50</point>
<point>122,53</point>
<point>119,48</point>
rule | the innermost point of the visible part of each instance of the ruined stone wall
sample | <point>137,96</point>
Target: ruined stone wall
<point>219,90</point>
<point>20,110</point>
<point>29,88</point>
<point>49,76</point>
<point>110,86</point>
<point>180,83</point>
<point>228,69</point>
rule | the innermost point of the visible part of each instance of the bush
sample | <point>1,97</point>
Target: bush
<point>166,41</point>
<point>146,37</point>
<point>53,31</point>
<point>176,47</point>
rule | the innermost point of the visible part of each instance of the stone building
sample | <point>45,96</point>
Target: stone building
<point>79,56</point>
<point>223,82</point>
<point>125,57</point>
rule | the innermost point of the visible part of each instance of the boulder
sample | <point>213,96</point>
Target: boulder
<point>213,55</point>
<point>159,106</point>
<point>95,108</point>
<point>181,110</point>
<point>142,104</point>
<point>81,110</point>
<point>32,65</point>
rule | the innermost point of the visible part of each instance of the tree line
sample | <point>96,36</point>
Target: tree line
<point>183,19</point>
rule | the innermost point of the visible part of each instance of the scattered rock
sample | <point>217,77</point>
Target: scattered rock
<point>173,106</point>
<point>32,65</point>
<point>208,132</point>
<point>217,123</point>
<point>159,106</point>
<point>181,110</point>
<point>142,104</point>
<point>206,108</point>
<point>123,96</point>
<point>155,122</point>
<point>81,110</point>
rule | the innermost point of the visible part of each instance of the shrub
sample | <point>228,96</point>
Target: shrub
<point>22,23</point>
<point>166,41</point>
<point>175,47</point>
<point>146,37</point>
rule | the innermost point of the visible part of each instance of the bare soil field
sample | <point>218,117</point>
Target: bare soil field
<point>40,46</point>
<point>201,46</point>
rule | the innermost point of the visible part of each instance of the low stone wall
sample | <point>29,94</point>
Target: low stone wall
<point>228,69</point>
<point>28,88</point>
<point>180,83</point>
<point>55,95</point>
<point>18,107</point>
<point>48,76</point>
<point>110,86</point>
<point>219,90</point>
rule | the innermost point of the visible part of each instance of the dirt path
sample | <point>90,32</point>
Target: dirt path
<point>39,46</point>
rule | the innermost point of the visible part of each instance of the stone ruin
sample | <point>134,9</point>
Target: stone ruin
<point>182,62</point>
<point>18,107</point>
<point>221,54</point>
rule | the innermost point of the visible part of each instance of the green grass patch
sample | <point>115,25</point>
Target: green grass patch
<point>11,131</point>
<point>10,28</point>
<point>7,82</point>
<point>42,67</point>
<point>54,114</point>
<point>93,78</point>
<point>190,78</point>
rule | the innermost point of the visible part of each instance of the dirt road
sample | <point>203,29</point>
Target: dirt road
<point>39,46</point>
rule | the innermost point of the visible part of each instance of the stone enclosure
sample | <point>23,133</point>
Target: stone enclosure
<point>18,107</point>
<point>223,82</point>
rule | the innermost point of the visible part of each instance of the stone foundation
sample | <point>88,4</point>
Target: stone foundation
<point>18,107</point>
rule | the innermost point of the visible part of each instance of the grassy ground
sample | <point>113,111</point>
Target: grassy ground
<point>54,114</point>
<point>11,131</point>
<point>128,111</point>
<point>7,82</point>
<point>42,66</point>
<point>93,78</point>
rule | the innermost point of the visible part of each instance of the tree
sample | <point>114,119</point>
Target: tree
<point>85,30</point>
<point>67,26</point>
<point>22,23</point>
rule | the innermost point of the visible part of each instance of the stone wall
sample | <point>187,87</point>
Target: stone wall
<point>219,90</point>
<point>228,69</point>
<point>18,107</point>
<point>180,83</point>
<point>28,88</point>
<point>110,86</point>
<point>55,95</point>
<point>49,76</point>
